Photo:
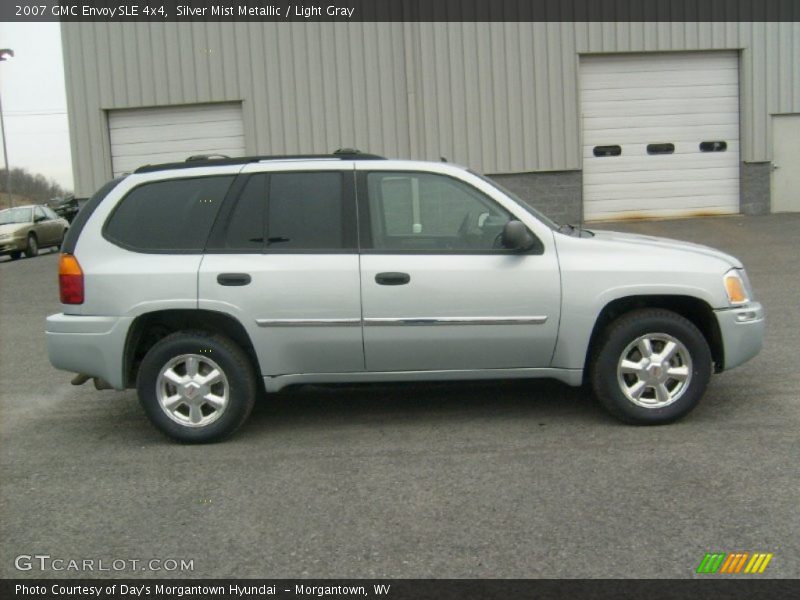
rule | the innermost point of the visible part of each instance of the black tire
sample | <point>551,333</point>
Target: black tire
<point>616,339</point>
<point>32,249</point>
<point>228,357</point>
<point>15,254</point>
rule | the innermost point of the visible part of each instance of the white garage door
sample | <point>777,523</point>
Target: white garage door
<point>143,136</point>
<point>660,134</point>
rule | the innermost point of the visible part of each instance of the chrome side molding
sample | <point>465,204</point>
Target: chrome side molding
<point>391,322</point>
<point>533,320</point>
<point>308,322</point>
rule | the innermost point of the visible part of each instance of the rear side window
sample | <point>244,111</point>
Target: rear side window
<point>167,216</point>
<point>74,232</point>
<point>245,229</point>
<point>305,211</point>
<point>299,211</point>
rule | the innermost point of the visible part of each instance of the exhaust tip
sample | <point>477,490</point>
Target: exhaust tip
<point>80,379</point>
<point>101,384</point>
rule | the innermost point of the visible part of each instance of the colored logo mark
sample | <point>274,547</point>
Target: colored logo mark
<point>734,562</point>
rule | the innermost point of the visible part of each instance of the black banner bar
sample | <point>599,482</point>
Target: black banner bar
<point>399,10</point>
<point>717,587</point>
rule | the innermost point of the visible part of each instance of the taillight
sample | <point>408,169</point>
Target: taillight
<point>70,280</point>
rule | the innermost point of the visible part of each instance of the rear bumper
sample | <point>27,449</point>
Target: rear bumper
<point>89,345</point>
<point>742,332</point>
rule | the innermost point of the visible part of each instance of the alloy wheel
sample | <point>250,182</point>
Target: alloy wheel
<point>654,370</point>
<point>192,390</point>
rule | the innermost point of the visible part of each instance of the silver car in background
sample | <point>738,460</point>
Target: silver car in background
<point>27,229</point>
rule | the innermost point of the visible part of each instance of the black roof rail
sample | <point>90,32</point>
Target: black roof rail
<point>204,160</point>
<point>196,157</point>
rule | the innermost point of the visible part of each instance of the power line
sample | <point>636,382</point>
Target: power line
<point>24,113</point>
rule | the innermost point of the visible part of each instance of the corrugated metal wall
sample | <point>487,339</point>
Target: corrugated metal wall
<point>499,97</point>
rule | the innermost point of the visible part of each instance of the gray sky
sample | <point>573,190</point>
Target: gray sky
<point>34,100</point>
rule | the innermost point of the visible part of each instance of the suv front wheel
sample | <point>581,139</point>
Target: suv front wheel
<point>652,366</point>
<point>196,387</point>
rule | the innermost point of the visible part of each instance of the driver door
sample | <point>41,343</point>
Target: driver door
<point>439,292</point>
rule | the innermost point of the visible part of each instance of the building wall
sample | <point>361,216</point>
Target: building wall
<point>499,97</point>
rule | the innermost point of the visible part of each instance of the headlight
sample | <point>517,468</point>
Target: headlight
<point>736,288</point>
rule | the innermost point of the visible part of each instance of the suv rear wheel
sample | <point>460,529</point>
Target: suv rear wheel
<point>196,387</point>
<point>652,367</point>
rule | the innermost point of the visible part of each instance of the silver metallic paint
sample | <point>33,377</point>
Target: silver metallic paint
<point>565,288</point>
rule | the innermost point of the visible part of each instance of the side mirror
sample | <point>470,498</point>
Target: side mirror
<point>39,219</point>
<point>516,237</point>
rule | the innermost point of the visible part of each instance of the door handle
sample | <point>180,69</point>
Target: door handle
<point>392,278</point>
<point>233,278</point>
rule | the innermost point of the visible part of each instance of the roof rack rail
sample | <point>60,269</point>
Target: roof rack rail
<point>197,157</point>
<point>199,160</point>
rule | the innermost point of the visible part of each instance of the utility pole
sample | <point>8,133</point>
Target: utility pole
<point>3,53</point>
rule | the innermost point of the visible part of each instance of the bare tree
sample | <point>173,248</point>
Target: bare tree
<point>34,186</point>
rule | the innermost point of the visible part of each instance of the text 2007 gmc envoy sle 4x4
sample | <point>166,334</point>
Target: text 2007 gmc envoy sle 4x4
<point>200,282</point>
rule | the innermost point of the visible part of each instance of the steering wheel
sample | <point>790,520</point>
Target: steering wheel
<point>498,242</point>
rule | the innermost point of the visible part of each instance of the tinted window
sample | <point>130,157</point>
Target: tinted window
<point>290,211</point>
<point>176,214</point>
<point>87,208</point>
<point>245,229</point>
<point>38,214</point>
<point>305,211</point>
<point>49,212</point>
<point>424,211</point>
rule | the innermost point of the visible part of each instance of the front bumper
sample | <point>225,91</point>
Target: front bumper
<point>90,345</point>
<point>742,330</point>
<point>13,245</point>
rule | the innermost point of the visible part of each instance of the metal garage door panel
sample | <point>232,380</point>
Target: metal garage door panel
<point>678,98</point>
<point>786,157</point>
<point>165,134</point>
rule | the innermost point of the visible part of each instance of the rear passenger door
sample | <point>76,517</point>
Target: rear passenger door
<point>283,259</point>
<point>43,226</point>
<point>55,227</point>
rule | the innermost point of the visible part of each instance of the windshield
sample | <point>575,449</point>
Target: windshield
<point>544,219</point>
<point>15,215</point>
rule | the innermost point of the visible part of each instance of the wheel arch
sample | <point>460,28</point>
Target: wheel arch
<point>148,328</point>
<point>696,310</point>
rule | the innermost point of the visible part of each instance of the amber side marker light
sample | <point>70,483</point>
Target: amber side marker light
<point>735,289</point>
<point>70,279</point>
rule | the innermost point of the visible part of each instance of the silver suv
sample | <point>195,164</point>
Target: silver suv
<point>203,283</point>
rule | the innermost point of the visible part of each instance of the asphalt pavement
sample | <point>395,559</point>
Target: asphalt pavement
<point>491,480</point>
